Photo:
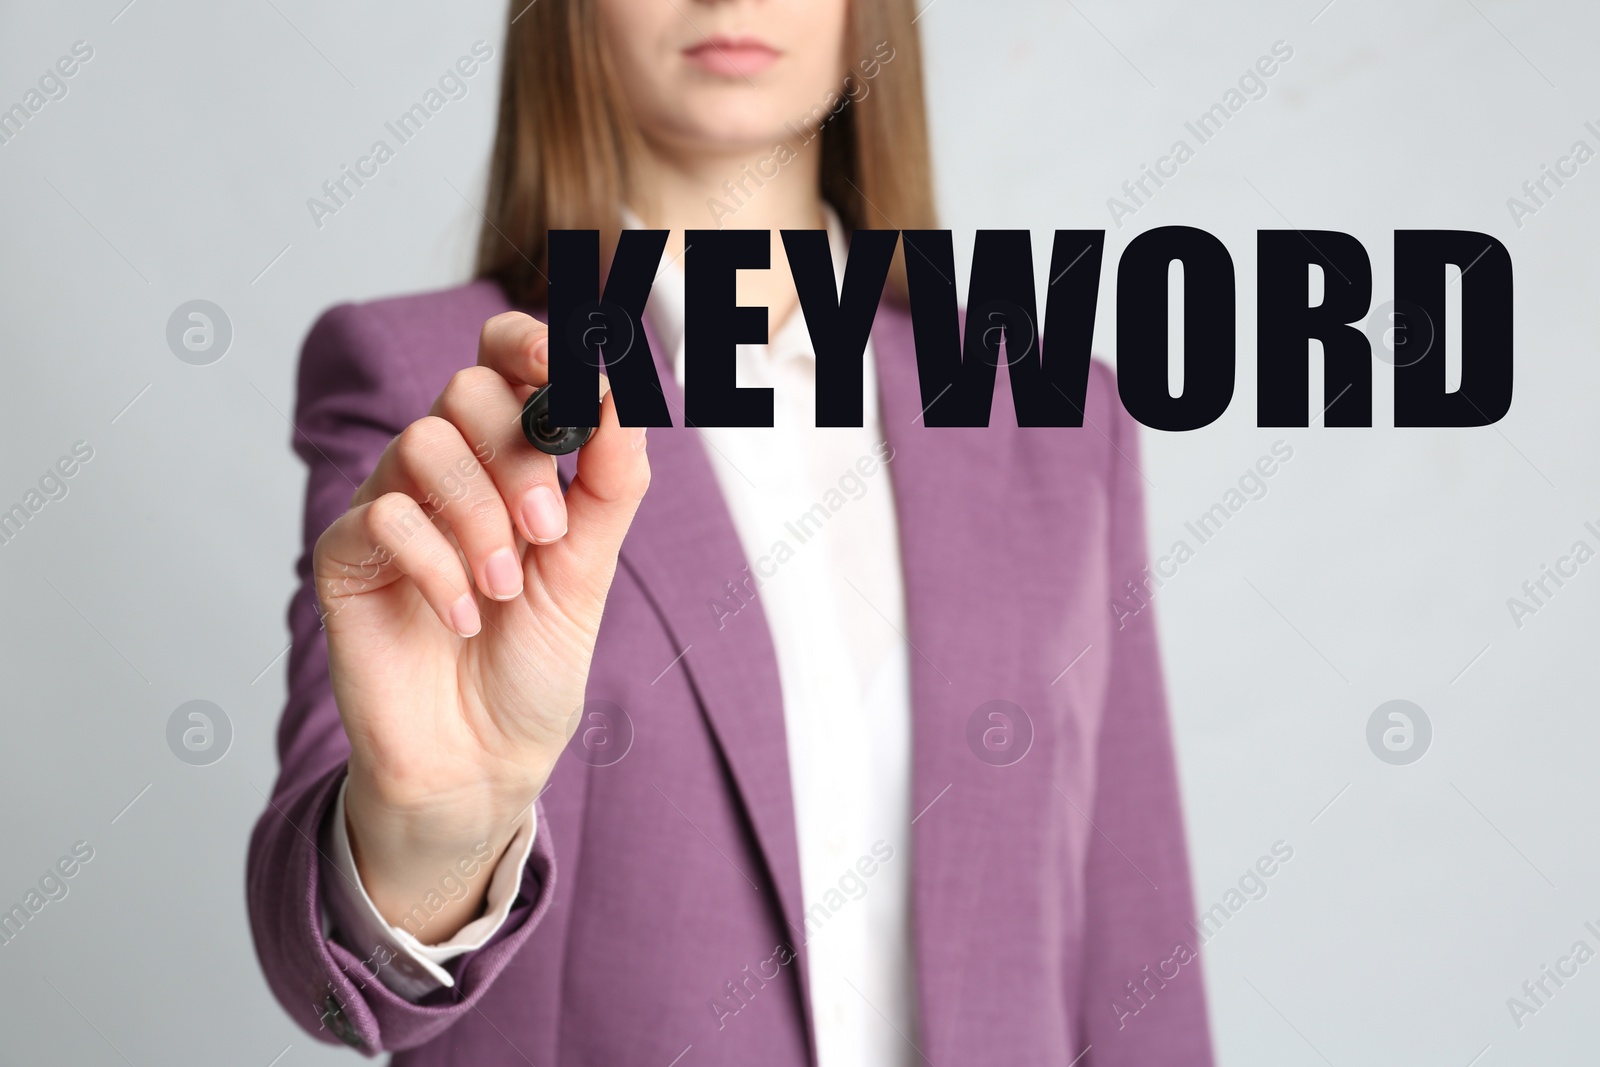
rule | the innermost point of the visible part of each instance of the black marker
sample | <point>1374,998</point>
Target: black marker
<point>553,440</point>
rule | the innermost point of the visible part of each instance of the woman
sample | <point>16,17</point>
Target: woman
<point>858,768</point>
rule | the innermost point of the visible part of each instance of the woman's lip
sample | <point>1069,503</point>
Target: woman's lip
<point>731,56</point>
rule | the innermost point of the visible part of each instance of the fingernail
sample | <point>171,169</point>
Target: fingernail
<point>543,515</point>
<point>541,350</point>
<point>464,616</point>
<point>638,438</point>
<point>504,572</point>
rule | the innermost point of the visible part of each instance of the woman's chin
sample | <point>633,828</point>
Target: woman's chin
<point>732,135</point>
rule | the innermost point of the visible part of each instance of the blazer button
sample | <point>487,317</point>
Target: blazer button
<point>333,1015</point>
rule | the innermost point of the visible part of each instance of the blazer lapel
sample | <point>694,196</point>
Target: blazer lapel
<point>683,549</point>
<point>951,490</point>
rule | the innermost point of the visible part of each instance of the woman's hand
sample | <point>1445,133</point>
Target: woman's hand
<point>461,597</point>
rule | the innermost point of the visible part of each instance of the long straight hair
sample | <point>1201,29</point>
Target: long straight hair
<point>565,137</point>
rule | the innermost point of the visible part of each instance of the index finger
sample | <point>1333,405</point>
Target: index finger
<point>516,346</point>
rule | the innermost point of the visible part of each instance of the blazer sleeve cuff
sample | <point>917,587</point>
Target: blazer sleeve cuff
<point>326,985</point>
<point>392,953</point>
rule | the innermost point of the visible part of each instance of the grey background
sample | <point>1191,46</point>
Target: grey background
<point>1377,566</point>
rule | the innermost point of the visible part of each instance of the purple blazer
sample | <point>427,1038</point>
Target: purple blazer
<point>1051,897</point>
